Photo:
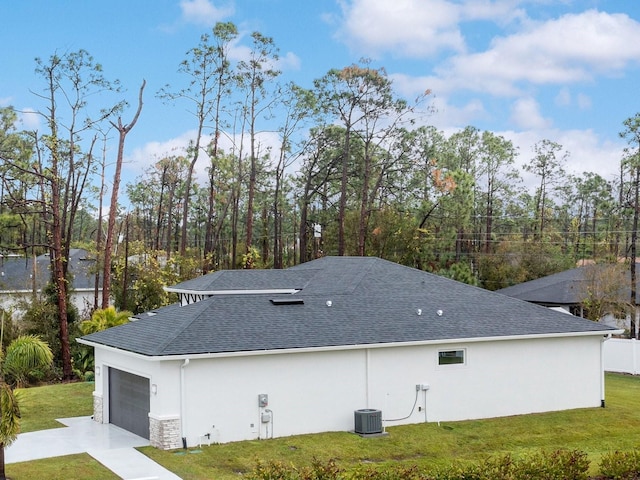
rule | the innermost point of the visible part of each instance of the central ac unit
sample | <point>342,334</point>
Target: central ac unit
<point>368,421</point>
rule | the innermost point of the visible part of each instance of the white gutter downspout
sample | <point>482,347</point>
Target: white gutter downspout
<point>604,339</point>
<point>183,407</point>
<point>366,379</point>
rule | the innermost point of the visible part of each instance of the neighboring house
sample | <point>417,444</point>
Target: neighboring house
<point>338,344</point>
<point>568,290</point>
<point>20,276</point>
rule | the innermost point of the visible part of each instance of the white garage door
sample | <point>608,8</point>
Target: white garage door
<point>129,402</point>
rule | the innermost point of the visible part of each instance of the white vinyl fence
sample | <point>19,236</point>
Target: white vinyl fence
<point>622,355</point>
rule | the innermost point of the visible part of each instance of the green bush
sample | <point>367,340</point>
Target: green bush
<point>557,465</point>
<point>621,465</point>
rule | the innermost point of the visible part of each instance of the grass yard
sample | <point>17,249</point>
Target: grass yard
<point>40,406</point>
<point>595,431</point>
<point>71,467</point>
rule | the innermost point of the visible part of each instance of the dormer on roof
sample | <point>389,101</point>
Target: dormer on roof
<point>240,282</point>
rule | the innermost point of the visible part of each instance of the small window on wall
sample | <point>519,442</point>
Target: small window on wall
<point>451,357</point>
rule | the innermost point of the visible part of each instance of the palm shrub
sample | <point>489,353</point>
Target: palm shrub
<point>24,356</point>
<point>101,319</point>
<point>105,318</point>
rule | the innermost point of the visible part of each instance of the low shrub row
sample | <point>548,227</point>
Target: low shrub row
<point>556,465</point>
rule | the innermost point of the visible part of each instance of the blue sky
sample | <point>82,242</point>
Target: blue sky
<point>568,71</point>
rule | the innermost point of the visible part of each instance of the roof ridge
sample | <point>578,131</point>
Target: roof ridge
<point>201,305</point>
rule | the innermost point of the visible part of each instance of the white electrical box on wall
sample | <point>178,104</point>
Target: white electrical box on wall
<point>263,400</point>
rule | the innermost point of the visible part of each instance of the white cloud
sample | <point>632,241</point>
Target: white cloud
<point>588,152</point>
<point>413,28</point>
<point>417,28</point>
<point>500,11</point>
<point>563,98</point>
<point>445,115</point>
<point>584,101</point>
<point>448,116</point>
<point>204,12</point>
<point>29,119</point>
<point>288,61</point>
<point>569,49</point>
<point>242,52</point>
<point>409,86</point>
<point>142,158</point>
<point>525,113</point>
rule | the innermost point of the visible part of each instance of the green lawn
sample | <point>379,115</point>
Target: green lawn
<point>40,406</point>
<point>595,431</point>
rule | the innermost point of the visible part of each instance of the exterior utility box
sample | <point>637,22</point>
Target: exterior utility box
<point>368,421</point>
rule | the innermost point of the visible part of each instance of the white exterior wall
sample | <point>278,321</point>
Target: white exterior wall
<point>81,299</point>
<point>313,392</point>
<point>307,393</point>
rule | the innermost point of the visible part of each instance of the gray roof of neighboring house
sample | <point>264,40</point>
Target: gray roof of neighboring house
<point>16,272</point>
<point>373,301</point>
<point>565,288</point>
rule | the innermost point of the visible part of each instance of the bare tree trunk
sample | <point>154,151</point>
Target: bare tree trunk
<point>343,192</point>
<point>252,179</point>
<point>170,220</point>
<point>250,200</point>
<point>160,202</point>
<point>60,281</point>
<point>99,253</point>
<point>634,239</point>
<point>187,191</point>
<point>3,475</point>
<point>56,248</point>
<point>277,214</point>
<point>489,220</point>
<point>123,131</point>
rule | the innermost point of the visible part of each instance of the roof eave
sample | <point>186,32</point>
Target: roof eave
<point>606,334</point>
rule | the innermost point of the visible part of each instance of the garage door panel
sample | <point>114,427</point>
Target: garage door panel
<point>129,402</point>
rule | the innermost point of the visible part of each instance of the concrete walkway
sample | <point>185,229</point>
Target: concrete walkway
<point>110,445</point>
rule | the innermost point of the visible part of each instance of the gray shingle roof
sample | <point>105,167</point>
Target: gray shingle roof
<point>560,289</point>
<point>15,272</point>
<point>373,301</point>
<point>245,280</point>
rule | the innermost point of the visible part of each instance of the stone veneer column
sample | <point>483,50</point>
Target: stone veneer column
<point>97,408</point>
<point>164,432</point>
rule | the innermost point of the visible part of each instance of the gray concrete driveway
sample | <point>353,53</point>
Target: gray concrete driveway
<point>108,444</point>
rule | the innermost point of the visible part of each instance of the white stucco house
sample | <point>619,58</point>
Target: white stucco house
<point>338,344</point>
<point>20,276</point>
